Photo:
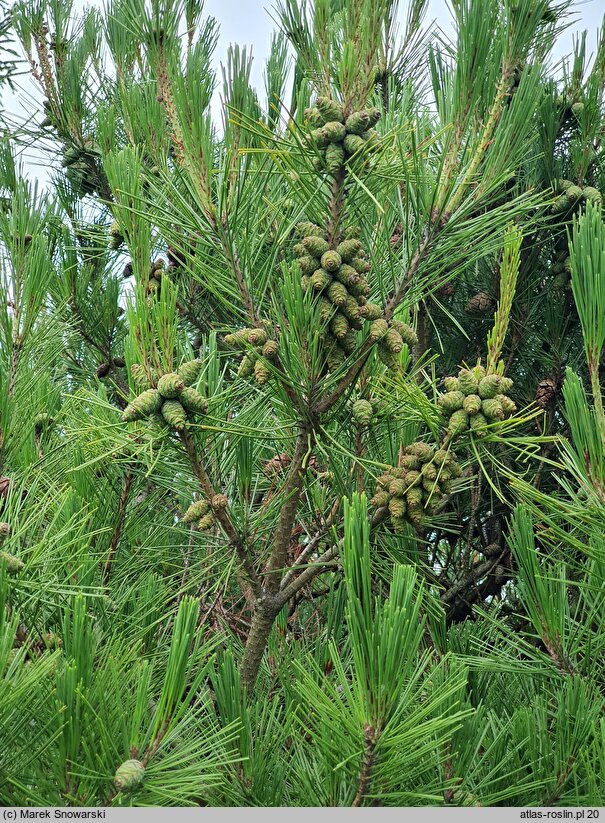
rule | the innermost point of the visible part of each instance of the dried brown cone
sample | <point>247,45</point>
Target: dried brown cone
<point>397,237</point>
<point>479,303</point>
<point>103,370</point>
<point>546,392</point>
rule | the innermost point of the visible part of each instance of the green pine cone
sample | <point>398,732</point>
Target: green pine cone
<point>347,275</point>
<point>305,282</point>
<point>362,412</point>
<point>389,358</point>
<point>414,496</point>
<point>472,404</point>
<point>349,249</point>
<point>372,139</point>
<point>206,522</point>
<point>335,356</point>
<point>257,337</point>
<point>351,232</point>
<point>409,462</point>
<point>351,309</point>
<point>174,414</point>
<point>397,507</point>
<point>238,339</point>
<point>398,487</point>
<point>331,260</point>
<point>5,530</point>
<point>315,246</point>
<point>458,422</point>
<point>335,158</point>
<point>479,425</point>
<point>451,401</point>
<point>380,499</point>
<point>306,229</point>
<point>246,367</point>
<point>360,265</point>
<point>508,405</point>
<point>415,515</point>
<point>589,193</point>
<point>398,524</point>
<point>12,564</point>
<point>421,450</point>
<point>193,401</point>
<point>358,122</point>
<point>337,293</point>
<point>468,382</point>
<point>320,280</point>
<point>353,143</point>
<point>370,311</point>
<point>195,511</point>
<point>261,372</point>
<point>383,481</point>
<point>349,342</point>
<point>329,109</point>
<point>339,326</point>
<point>429,470</point>
<point>270,349</point>
<point>412,478</point>
<point>574,193</point>
<point>393,341</point>
<point>129,775</point>
<point>375,115</point>
<point>492,409</point>
<point>308,264</point>
<point>326,310</point>
<point>298,250</point>
<point>451,384</point>
<point>313,117</point>
<point>506,385</point>
<point>562,203</point>
<point>430,487</point>
<point>408,335</point>
<point>170,385</point>
<point>360,289</point>
<point>319,138</point>
<point>334,131</point>
<point>378,329</point>
<point>190,371</point>
<point>147,403</point>
<point>139,377</point>
<point>490,386</point>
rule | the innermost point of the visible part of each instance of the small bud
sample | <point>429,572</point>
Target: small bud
<point>170,385</point>
<point>220,501</point>
<point>362,412</point>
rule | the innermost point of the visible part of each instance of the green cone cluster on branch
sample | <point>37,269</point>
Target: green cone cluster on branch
<point>475,400</point>
<point>129,775</point>
<point>202,511</point>
<point>157,273</point>
<point>259,346</point>
<point>570,199</point>
<point>414,489</point>
<point>338,137</point>
<point>337,273</point>
<point>169,396</point>
<point>79,164</point>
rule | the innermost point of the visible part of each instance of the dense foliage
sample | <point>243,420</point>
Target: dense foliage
<point>302,440</point>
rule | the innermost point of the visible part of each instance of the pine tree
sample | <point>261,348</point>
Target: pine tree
<point>302,479</point>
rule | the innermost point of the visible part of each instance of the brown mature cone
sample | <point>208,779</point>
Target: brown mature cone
<point>446,290</point>
<point>479,303</point>
<point>127,271</point>
<point>103,370</point>
<point>397,237</point>
<point>546,392</point>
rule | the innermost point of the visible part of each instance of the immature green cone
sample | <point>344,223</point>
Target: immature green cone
<point>508,405</point>
<point>492,409</point>
<point>347,275</point>
<point>298,250</point>
<point>331,260</point>
<point>458,422</point>
<point>329,109</point>
<point>142,406</point>
<point>139,377</point>
<point>170,385</point>
<point>129,775</point>
<point>305,229</point>
<point>589,193</point>
<point>13,564</point>
<point>335,158</point>
<point>397,506</point>
<point>190,371</point>
<point>335,357</point>
<point>408,335</point>
<point>196,510</point>
<point>374,115</point>
<point>261,372</point>
<point>360,265</point>
<point>414,496</point>
<point>378,329</point>
<point>490,386</point>
<point>353,143</point>
<point>339,326</point>
<point>472,404</point>
<point>5,530</point>
<point>370,311</point>
<point>174,414</point>
<point>398,524</point>
<point>468,382</point>
<point>574,193</point>
<point>313,116</point>
<point>358,122</point>
<point>349,249</point>
<point>351,309</point>
<point>478,424</point>
<point>451,401</point>
<point>380,499</point>
<point>389,358</point>
<point>319,138</point>
<point>506,385</point>
<point>398,487</point>
<point>393,341</point>
<point>315,246</point>
<point>193,401</point>
<point>270,349</point>
<point>326,310</point>
<point>320,280</point>
<point>308,264</point>
<point>246,367</point>
<point>337,293</point>
<point>421,450</point>
<point>362,412</point>
<point>238,338</point>
<point>349,342</point>
<point>451,384</point>
<point>334,131</point>
<point>372,139</point>
<point>360,289</point>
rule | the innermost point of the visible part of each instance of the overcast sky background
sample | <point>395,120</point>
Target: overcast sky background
<point>250,23</point>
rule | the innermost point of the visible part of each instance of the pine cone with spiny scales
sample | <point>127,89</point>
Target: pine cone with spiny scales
<point>546,392</point>
<point>479,303</point>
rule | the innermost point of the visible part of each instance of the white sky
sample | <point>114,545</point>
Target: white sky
<point>250,23</point>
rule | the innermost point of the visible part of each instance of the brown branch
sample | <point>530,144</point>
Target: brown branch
<point>370,739</point>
